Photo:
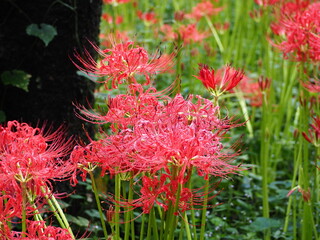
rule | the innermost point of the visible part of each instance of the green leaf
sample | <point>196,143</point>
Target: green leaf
<point>262,223</point>
<point>45,32</point>
<point>80,221</point>
<point>17,78</point>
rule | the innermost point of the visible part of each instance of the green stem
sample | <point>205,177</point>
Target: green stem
<point>62,215</point>
<point>117,206</point>
<point>187,227</point>
<point>204,210</point>
<point>215,34</point>
<point>24,208</point>
<point>96,195</point>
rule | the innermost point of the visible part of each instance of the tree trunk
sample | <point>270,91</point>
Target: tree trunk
<point>54,84</point>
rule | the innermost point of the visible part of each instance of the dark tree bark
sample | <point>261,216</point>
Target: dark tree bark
<point>54,84</point>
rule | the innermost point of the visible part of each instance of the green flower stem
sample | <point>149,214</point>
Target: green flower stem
<point>60,212</point>
<point>204,209</point>
<point>154,224</point>
<point>37,216</point>
<point>215,34</point>
<point>264,163</point>
<point>96,195</point>
<point>129,224</point>
<point>24,208</point>
<point>244,109</point>
<point>297,163</point>
<point>117,206</point>
<point>142,227</point>
<point>56,214</point>
<point>193,218</point>
<point>187,227</point>
<point>149,226</point>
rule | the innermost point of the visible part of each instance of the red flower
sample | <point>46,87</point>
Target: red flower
<point>218,82</point>
<point>147,17</point>
<point>299,25</point>
<point>123,62</point>
<point>115,2</point>
<point>204,8</point>
<point>266,2</point>
<point>313,85</point>
<point>314,132</point>
<point>30,156</point>
<point>190,34</point>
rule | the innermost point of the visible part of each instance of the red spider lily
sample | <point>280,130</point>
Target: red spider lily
<point>312,86</point>
<point>168,32</point>
<point>9,207</point>
<point>204,8</point>
<point>305,193</point>
<point>165,191</point>
<point>30,156</point>
<point>299,25</point>
<point>253,91</point>
<point>106,17</point>
<point>190,34</point>
<point>220,81</point>
<point>106,40</point>
<point>38,230</point>
<point>147,17</point>
<point>266,2</point>
<point>126,109</point>
<point>115,2</point>
<point>181,133</point>
<point>314,132</point>
<point>123,62</point>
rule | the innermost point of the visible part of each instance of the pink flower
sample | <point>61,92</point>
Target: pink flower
<point>220,81</point>
<point>122,62</point>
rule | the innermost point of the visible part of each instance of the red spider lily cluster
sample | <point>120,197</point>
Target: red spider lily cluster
<point>298,25</point>
<point>157,141</point>
<point>29,161</point>
<point>163,139</point>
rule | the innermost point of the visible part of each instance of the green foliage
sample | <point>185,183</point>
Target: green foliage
<point>17,78</point>
<point>45,32</point>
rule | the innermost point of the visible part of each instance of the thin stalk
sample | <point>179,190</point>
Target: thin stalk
<point>117,206</point>
<point>154,225</point>
<point>62,215</point>
<point>204,210</point>
<point>96,195</point>
<point>142,227</point>
<point>215,34</point>
<point>24,209</point>
<point>187,227</point>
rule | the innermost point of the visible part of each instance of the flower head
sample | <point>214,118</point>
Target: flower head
<point>220,81</point>
<point>299,26</point>
<point>190,34</point>
<point>204,8</point>
<point>28,155</point>
<point>122,62</point>
<point>313,135</point>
